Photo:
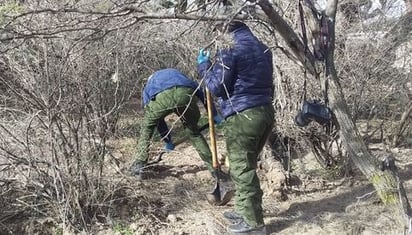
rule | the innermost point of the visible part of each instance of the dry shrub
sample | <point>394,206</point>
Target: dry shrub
<point>62,95</point>
<point>61,102</point>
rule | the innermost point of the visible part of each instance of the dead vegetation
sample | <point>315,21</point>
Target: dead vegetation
<point>69,120</point>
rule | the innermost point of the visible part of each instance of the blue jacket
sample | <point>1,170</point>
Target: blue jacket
<point>242,76</point>
<point>165,79</point>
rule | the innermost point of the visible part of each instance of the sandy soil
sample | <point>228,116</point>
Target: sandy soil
<point>173,200</point>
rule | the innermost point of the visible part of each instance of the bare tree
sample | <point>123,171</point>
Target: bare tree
<point>388,185</point>
<point>68,69</point>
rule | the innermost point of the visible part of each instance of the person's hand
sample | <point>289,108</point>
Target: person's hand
<point>217,119</point>
<point>169,146</point>
<point>203,56</point>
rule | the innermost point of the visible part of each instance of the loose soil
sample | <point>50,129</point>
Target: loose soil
<point>172,201</point>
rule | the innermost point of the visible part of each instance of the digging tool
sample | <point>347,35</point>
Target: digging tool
<point>218,196</point>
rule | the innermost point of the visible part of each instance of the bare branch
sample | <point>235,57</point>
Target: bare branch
<point>289,35</point>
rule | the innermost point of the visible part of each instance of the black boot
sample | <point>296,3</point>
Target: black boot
<point>232,216</point>
<point>243,228</point>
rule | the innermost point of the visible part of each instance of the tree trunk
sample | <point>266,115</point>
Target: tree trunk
<point>386,182</point>
<point>290,37</point>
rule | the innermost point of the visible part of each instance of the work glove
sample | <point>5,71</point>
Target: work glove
<point>169,146</point>
<point>203,56</point>
<point>217,119</point>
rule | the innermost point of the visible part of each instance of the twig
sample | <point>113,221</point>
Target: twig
<point>365,195</point>
<point>31,206</point>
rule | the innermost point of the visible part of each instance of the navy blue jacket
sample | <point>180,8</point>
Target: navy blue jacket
<point>242,75</point>
<point>165,79</point>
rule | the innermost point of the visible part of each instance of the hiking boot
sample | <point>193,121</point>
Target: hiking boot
<point>243,228</point>
<point>136,169</point>
<point>232,216</point>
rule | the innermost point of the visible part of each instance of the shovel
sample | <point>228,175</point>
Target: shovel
<point>218,196</point>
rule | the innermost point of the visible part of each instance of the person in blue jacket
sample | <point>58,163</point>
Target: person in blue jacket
<point>170,91</point>
<point>242,78</point>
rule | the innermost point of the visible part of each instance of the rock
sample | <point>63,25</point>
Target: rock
<point>134,226</point>
<point>204,175</point>
<point>188,176</point>
<point>172,218</point>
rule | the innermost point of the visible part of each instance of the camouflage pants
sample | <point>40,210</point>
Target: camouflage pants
<point>246,134</point>
<point>181,101</point>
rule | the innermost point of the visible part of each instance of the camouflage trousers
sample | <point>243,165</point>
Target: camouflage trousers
<point>246,134</point>
<point>181,101</point>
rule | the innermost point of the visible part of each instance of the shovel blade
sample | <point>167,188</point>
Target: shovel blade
<point>218,196</point>
<point>226,197</point>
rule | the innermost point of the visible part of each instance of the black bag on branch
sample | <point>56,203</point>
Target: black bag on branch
<point>313,111</point>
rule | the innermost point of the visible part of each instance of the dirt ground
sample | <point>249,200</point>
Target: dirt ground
<point>172,201</point>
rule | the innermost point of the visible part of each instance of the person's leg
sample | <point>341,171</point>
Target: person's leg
<point>146,132</point>
<point>155,110</point>
<point>190,114</point>
<point>245,140</point>
<point>269,113</point>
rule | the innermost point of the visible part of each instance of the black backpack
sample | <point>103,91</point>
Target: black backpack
<point>313,111</point>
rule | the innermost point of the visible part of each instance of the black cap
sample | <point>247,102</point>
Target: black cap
<point>229,27</point>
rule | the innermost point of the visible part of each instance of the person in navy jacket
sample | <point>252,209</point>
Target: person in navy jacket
<point>170,91</point>
<point>241,76</point>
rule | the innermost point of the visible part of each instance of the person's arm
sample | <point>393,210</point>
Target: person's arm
<point>219,77</point>
<point>164,131</point>
<point>165,134</point>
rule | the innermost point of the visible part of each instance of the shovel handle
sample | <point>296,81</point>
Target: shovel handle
<point>212,132</point>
